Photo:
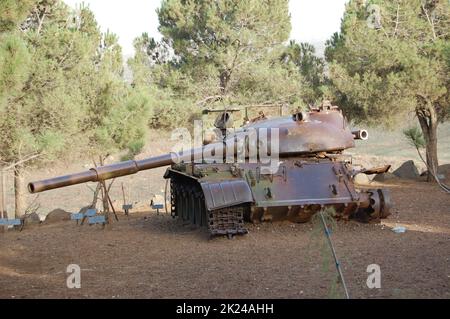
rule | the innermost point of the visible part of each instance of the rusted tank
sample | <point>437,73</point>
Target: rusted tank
<point>223,184</point>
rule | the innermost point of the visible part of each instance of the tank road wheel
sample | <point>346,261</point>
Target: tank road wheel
<point>380,205</point>
<point>173,198</point>
<point>386,203</point>
<point>304,214</point>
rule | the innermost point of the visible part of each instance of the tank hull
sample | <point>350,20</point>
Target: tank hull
<point>298,189</point>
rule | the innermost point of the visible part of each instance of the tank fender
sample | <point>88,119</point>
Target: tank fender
<point>226,193</point>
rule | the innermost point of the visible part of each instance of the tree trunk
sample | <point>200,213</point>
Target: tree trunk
<point>104,189</point>
<point>432,157</point>
<point>224,79</point>
<point>429,123</point>
<point>19,192</point>
<point>3,213</point>
<point>97,190</point>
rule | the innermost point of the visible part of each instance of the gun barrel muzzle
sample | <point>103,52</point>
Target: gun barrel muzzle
<point>360,135</point>
<point>62,181</point>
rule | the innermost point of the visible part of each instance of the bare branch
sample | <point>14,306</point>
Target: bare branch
<point>31,157</point>
<point>430,21</point>
<point>213,98</point>
<point>397,19</point>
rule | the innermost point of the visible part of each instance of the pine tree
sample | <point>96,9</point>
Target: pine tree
<point>118,114</point>
<point>310,66</point>
<point>390,59</point>
<point>13,13</point>
<point>228,50</point>
<point>61,88</point>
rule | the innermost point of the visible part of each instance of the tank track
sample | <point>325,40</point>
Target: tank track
<point>188,204</point>
<point>228,221</point>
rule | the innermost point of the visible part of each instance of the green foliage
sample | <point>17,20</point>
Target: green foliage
<point>13,12</point>
<point>170,111</point>
<point>125,126</point>
<point>53,142</point>
<point>51,105</point>
<point>147,62</point>
<point>391,59</point>
<point>225,52</point>
<point>61,86</point>
<point>219,32</point>
<point>228,51</point>
<point>14,66</point>
<point>381,71</point>
<point>311,67</point>
<point>133,149</point>
<point>61,79</point>
<point>219,53</point>
<point>414,136</point>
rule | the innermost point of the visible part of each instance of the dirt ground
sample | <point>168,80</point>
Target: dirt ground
<point>153,256</point>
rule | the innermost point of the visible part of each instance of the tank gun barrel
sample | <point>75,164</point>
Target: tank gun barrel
<point>106,172</point>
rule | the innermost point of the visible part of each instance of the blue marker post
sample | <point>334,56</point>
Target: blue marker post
<point>11,222</point>
<point>99,219</point>
<point>77,217</point>
<point>91,212</point>
<point>157,207</point>
<point>126,209</point>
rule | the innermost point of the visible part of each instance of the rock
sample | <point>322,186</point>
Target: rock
<point>361,179</point>
<point>31,219</point>
<point>384,177</point>
<point>444,169</point>
<point>407,170</point>
<point>56,216</point>
<point>443,173</point>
